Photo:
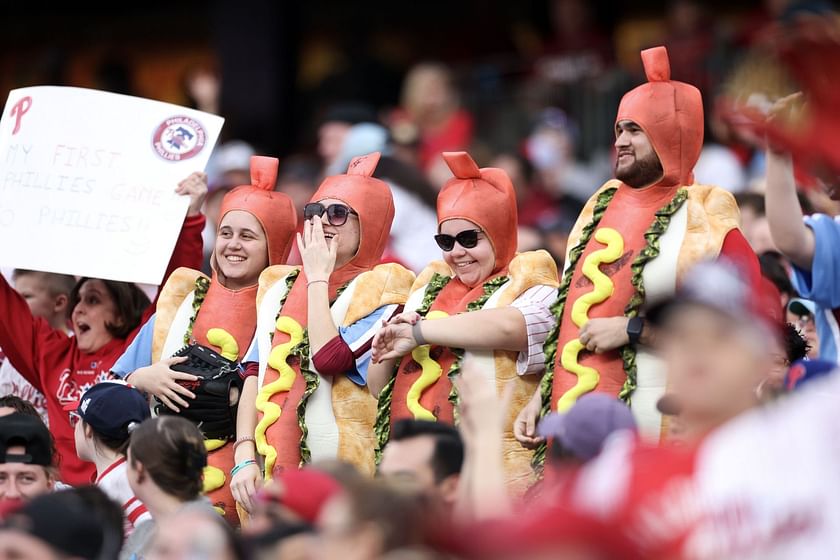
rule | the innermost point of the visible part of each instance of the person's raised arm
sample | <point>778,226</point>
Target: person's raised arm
<point>22,335</point>
<point>784,214</point>
<point>483,491</point>
<point>188,249</point>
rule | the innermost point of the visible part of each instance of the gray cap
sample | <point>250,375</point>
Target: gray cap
<point>584,428</point>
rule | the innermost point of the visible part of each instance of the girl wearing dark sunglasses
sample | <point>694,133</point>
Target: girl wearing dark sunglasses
<point>313,356</point>
<point>484,299</point>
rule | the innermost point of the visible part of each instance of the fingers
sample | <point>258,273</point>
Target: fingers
<point>165,400</point>
<point>300,243</point>
<point>176,399</point>
<point>176,360</point>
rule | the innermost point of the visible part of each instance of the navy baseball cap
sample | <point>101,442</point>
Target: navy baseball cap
<point>584,428</point>
<point>29,432</point>
<point>112,408</point>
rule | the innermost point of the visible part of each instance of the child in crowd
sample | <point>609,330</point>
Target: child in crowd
<point>48,296</point>
<point>105,417</point>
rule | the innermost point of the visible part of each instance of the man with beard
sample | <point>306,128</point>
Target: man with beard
<point>631,245</point>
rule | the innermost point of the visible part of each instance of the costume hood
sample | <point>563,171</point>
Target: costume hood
<point>372,200</point>
<point>484,197</point>
<point>274,210</point>
<point>671,114</point>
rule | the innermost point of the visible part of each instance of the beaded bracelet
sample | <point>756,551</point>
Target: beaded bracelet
<point>242,440</point>
<point>242,465</point>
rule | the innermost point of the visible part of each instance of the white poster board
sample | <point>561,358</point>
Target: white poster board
<point>87,180</point>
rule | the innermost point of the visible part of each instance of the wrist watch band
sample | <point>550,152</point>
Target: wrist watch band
<point>417,333</point>
<point>634,329</point>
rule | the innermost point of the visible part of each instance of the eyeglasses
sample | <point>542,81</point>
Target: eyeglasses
<point>336,213</point>
<point>466,239</point>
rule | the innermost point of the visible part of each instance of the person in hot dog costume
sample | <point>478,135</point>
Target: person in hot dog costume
<point>255,230</point>
<point>316,325</point>
<point>632,243</point>
<point>483,298</point>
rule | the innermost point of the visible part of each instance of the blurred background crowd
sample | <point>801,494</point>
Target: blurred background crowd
<point>530,87</point>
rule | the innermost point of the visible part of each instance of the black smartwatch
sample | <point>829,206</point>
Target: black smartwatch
<point>635,326</point>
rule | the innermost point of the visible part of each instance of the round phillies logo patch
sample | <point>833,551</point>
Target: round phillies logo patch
<point>179,138</point>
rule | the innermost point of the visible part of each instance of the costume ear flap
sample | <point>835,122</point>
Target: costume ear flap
<point>364,165</point>
<point>264,172</point>
<point>657,66</point>
<point>462,165</point>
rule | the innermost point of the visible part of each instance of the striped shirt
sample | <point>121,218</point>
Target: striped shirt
<point>534,304</point>
<point>114,482</point>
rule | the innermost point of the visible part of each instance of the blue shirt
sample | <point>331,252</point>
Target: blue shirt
<point>821,283</point>
<point>139,352</point>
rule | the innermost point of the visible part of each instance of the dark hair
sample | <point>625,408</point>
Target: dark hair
<point>773,268</point>
<point>57,284</point>
<point>118,445</point>
<point>171,449</point>
<point>796,346</point>
<point>109,516</point>
<point>129,300</point>
<point>19,405</point>
<point>401,514</point>
<point>751,200</point>
<point>408,178</point>
<point>448,455</point>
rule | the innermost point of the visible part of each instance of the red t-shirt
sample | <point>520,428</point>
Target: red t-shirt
<point>52,362</point>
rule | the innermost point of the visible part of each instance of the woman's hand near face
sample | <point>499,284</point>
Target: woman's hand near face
<point>194,186</point>
<point>317,254</point>
<point>161,380</point>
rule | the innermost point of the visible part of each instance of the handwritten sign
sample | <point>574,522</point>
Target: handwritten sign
<point>87,180</point>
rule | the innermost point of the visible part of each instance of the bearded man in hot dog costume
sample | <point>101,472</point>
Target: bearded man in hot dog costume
<point>208,323</point>
<point>632,243</point>
<point>483,302</point>
<point>316,325</point>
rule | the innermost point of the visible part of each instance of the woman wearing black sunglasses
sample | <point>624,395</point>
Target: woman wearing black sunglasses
<point>315,327</point>
<point>483,299</point>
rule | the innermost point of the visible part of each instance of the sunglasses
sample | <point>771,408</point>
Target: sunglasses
<point>336,213</point>
<point>466,239</point>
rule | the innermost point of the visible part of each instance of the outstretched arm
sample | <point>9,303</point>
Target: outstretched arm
<point>784,214</point>
<point>487,329</point>
<point>23,336</point>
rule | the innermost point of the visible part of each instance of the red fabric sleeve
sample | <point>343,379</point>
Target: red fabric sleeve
<point>23,336</point>
<point>250,369</point>
<point>334,358</point>
<point>736,249</point>
<point>187,254</point>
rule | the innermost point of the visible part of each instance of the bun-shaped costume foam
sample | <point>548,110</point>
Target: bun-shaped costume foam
<point>373,202</point>
<point>484,197</point>
<point>274,210</point>
<point>670,113</point>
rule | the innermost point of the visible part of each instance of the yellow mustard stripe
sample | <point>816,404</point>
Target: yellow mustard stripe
<point>271,411</point>
<point>214,478</point>
<point>431,372</point>
<point>223,340</point>
<point>602,289</point>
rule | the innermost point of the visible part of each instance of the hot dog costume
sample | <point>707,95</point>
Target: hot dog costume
<point>631,246</point>
<point>422,386</point>
<point>304,415</point>
<point>193,308</point>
